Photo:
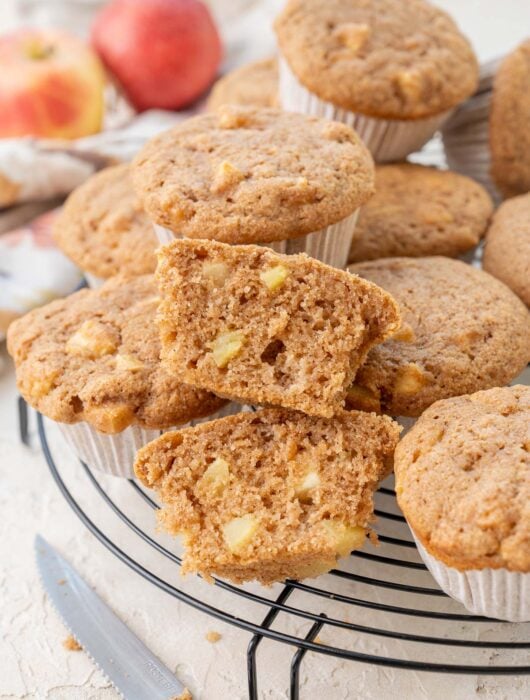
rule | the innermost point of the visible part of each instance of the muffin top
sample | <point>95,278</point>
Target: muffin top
<point>462,331</point>
<point>94,357</point>
<point>248,175</point>
<point>418,211</point>
<point>507,250</point>
<point>383,58</point>
<point>254,84</point>
<point>509,119</point>
<point>103,228</point>
<point>463,479</point>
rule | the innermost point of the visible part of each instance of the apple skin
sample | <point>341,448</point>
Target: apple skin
<point>164,53</point>
<point>51,86</point>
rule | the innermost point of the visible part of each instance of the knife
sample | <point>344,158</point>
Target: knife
<point>135,672</point>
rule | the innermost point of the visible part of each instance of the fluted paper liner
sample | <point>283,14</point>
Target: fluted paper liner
<point>387,139</point>
<point>496,593</point>
<point>466,134</point>
<point>330,245</point>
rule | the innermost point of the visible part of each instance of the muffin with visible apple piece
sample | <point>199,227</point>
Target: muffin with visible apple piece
<point>462,331</point>
<point>270,495</point>
<point>243,174</point>
<point>259,327</point>
<point>91,362</point>
<point>103,229</point>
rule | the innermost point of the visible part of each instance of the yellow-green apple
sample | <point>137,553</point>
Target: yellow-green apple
<point>51,85</point>
<point>164,53</point>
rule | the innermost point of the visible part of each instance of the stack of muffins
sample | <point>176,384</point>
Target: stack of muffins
<point>250,303</point>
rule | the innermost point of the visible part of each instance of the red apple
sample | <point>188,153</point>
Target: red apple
<point>164,53</point>
<point>51,85</point>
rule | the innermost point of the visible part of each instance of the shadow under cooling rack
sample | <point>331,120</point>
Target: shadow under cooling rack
<point>382,593</point>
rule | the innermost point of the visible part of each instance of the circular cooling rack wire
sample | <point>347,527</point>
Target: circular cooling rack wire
<point>273,608</point>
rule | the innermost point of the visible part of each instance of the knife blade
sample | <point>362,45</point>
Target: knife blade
<point>135,672</point>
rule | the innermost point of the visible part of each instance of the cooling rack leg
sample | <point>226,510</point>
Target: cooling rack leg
<point>299,655</point>
<point>23,421</point>
<point>256,639</point>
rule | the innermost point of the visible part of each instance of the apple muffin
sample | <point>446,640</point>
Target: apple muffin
<point>269,495</point>
<point>91,362</point>
<point>103,229</point>
<point>254,84</point>
<point>463,483</point>
<point>259,327</point>
<point>462,331</point>
<point>94,356</point>
<point>418,211</point>
<point>250,175</point>
<point>507,249</point>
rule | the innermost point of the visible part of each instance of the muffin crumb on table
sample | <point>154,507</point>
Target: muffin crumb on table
<point>213,637</point>
<point>71,644</point>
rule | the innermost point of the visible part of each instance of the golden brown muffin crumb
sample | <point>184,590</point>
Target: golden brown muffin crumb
<point>383,58</point>
<point>95,357</point>
<point>418,211</point>
<point>266,328</point>
<point>463,479</point>
<point>185,695</point>
<point>212,636</point>
<point>462,331</point>
<point>71,644</point>
<point>507,249</point>
<point>509,119</point>
<point>103,228</point>
<point>269,495</point>
<point>247,175</point>
<point>254,84</point>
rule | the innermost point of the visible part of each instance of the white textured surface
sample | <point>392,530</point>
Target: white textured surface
<point>387,140</point>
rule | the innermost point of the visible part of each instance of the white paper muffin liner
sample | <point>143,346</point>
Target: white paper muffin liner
<point>496,593</point>
<point>93,281</point>
<point>115,454</point>
<point>466,134</point>
<point>387,139</point>
<point>330,245</point>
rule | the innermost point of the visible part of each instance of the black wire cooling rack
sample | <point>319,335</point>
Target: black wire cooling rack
<point>350,604</point>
